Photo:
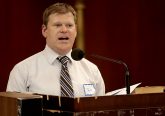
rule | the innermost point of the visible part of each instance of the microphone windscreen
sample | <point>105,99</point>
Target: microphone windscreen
<point>77,54</point>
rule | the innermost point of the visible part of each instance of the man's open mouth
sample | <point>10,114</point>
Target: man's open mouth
<point>63,38</point>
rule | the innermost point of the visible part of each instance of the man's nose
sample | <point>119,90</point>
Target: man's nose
<point>63,29</point>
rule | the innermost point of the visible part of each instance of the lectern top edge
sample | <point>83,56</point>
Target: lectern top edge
<point>19,95</point>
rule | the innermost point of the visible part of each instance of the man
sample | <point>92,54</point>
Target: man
<point>41,73</point>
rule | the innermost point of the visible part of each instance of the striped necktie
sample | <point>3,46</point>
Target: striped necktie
<point>65,80</point>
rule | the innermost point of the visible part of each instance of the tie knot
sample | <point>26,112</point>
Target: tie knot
<point>64,60</point>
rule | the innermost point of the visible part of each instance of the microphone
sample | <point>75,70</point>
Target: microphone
<point>77,54</point>
<point>127,74</point>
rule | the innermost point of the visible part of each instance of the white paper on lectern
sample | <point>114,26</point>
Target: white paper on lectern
<point>122,91</point>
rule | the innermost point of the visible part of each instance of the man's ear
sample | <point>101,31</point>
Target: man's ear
<point>44,30</point>
<point>76,29</point>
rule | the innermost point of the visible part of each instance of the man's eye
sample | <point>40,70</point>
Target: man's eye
<point>57,25</point>
<point>69,25</point>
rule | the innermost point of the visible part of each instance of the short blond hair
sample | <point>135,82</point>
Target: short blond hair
<point>60,8</point>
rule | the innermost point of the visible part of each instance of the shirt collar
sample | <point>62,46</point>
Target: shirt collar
<point>52,55</point>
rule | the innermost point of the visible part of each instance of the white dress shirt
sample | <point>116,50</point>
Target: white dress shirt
<point>40,73</point>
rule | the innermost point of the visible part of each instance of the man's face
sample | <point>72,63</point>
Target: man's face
<point>60,32</point>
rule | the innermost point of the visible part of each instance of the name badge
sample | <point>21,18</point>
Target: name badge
<point>89,89</point>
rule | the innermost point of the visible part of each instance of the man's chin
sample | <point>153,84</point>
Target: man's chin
<point>64,51</point>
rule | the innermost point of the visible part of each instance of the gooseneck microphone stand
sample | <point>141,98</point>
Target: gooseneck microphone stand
<point>127,74</point>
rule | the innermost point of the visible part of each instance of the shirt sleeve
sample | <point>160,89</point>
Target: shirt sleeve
<point>100,85</point>
<point>17,79</point>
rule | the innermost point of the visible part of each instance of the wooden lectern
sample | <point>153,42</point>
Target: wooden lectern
<point>150,104</point>
<point>19,104</point>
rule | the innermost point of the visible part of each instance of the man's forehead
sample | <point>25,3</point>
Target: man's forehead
<point>62,14</point>
<point>61,17</point>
